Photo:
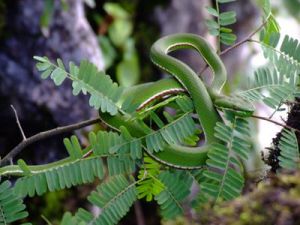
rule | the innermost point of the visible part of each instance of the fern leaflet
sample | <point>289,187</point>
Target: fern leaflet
<point>59,177</point>
<point>114,197</point>
<point>223,179</point>
<point>271,27</point>
<point>149,185</point>
<point>289,150</point>
<point>219,28</point>
<point>177,187</point>
<point>11,206</point>
<point>177,131</point>
<point>279,89</point>
<point>284,55</point>
<point>104,93</point>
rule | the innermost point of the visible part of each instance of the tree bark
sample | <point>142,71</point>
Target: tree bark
<point>41,105</point>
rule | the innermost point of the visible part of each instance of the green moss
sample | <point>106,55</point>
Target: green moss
<point>275,201</point>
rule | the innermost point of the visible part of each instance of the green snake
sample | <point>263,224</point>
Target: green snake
<point>206,99</point>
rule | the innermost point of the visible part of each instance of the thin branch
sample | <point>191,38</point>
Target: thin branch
<point>42,135</point>
<point>275,122</point>
<point>18,122</point>
<point>246,39</point>
<point>249,37</point>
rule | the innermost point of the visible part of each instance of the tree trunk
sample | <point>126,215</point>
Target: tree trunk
<point>41,105</point>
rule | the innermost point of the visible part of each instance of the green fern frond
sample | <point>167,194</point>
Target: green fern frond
<point>173,133</point>
<point>271,26</point>
<point>114,197</point>
<point>73,147</point>
<point>185,103</point>
<point>108,143</point>
<point>271,87</point>
<point>202,197</point>
<point>289,150</point>
<point>148,184</point>
<point>219,27</point>
<point>223,180</point>
<point>82,217</point>
<point>284,55</point>
<point>12,208</point>
<point>177,188</point>
<point>86,78</point>
<point>68,219</point>
<point>60,176</point>
<point>121,164</point>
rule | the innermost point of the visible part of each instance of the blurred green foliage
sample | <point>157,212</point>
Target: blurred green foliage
<point>117,40</point>
<point>293,6</point>
<point>126,30</point>
<point>48,11</point>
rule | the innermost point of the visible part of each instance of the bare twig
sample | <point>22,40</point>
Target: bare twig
<point>246,39</point>
<point>42,135</point>
<point>18,122</point>
<point>275,122</point>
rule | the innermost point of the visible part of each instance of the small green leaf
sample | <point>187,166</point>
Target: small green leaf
<point>43,66</point>
<point>23,166</point>
<point>46,74</point>
<point>214,32</point>
<point>211,24</point>
<point>228,39</point>
<point>119,31</point>
<point>115,10</point>
<point>266,7</point>
<point>212,11</point>
<point>109,52</point>
<point>128,71</point>
<point>271,28</point>
<point>227,18</point>
<point>60,64</point>
<point>47,13</point>
<point>125,133</point>
<point>58,76</point>
<point>228,15</point>
<point>225,30</point>
<point>41,59</point>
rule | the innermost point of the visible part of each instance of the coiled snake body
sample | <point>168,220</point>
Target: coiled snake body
<point>206,99</point>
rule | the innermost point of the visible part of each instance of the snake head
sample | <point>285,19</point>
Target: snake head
<point>239,106</point>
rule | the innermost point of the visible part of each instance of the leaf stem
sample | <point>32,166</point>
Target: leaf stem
<point>275,122</point>
<point>238,44</point>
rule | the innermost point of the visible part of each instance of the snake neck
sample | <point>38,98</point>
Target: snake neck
<point>208,115</point>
